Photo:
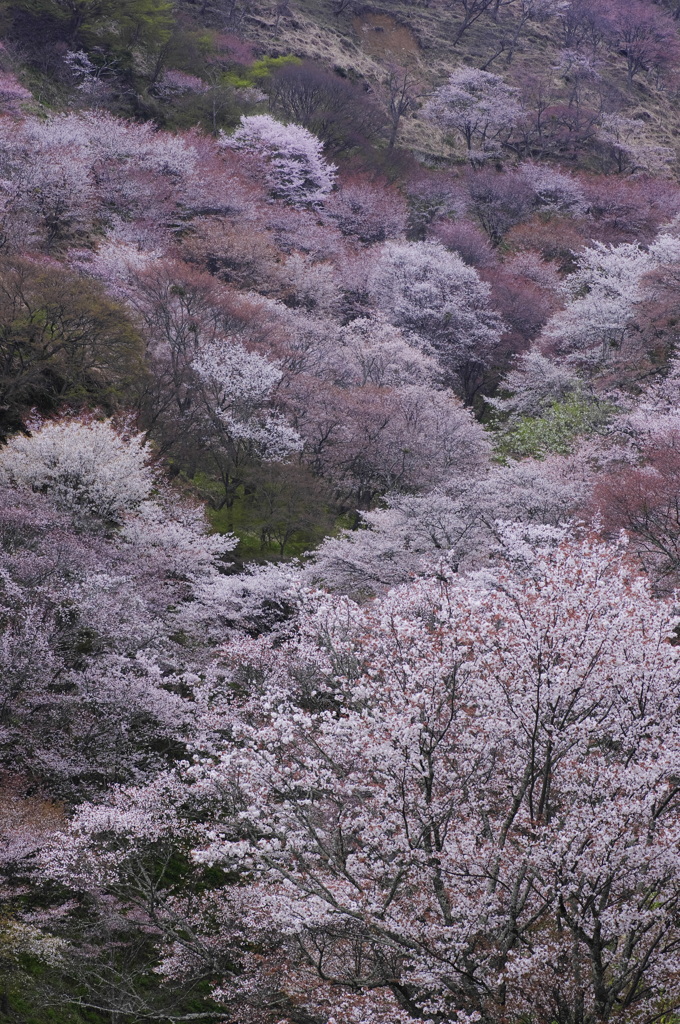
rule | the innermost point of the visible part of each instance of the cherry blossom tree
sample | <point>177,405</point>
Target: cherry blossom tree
<point>369,351</point>
<point>13,94</point>
<point>467,240</point>
<point>83,701</point>
<point>499,201</point>
<point>236,387</point>
<point>372,213</point>
<point>63,172</point>
<point>291,156</point>
<point>210,399</point>
<point>370,440</point>
<point>526,306</point>
<point>645,35</point>
<point>492,949</point>
<point>428,290</point>
<point>460,799</point>
<point>629,147</point>
<point>553,190</point>
<point>479,106</point>
<point>386,356</point>
<point>398,542</point>
<point>310,284</point>
<point>606,288</point>
<point>432,197</point>
<point>463,517</point>
<point>637,491</point>
<point>84,465</point>
<point>533,384</point>
<point>626,210</point>
<point>99,565</point>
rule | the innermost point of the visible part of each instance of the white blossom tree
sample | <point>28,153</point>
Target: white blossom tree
<point>86,466</point>
<point>235,387</point>
<point>99,566</point>
<point>463,518</point>
<point>533,384</point>
<point>425,288</point>
<point>370,351</point>
<point>292,157</point>
<point>554,190</point>
<point>479,106</point>
<point>598,323</point>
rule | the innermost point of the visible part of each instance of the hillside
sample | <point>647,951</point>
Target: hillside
<point>339,511</point>
<point>569,50</point>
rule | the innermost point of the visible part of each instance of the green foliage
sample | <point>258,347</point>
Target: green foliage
<point>62,341</point>
<point>555,432</point>
<point>199,53</point>
<point>212,110</point>
<point>64,994</point>
<point>257,72</point>
<point>289,508</point>
<point>118,27</point>
<point>280,512</point>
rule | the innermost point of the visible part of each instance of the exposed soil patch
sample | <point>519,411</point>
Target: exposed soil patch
<point>383,37</point>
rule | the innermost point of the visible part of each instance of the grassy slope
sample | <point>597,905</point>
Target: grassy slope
<point>362,45</point>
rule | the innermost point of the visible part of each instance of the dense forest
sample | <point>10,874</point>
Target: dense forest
<point>339,511</point>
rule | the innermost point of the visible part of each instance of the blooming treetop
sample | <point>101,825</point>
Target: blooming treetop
<point>59,171</point>
<point>87,466</point>
<point>238,385</point>
<point>534,383</point>
<point>463,797</point>
<point>458,801</point>
<point>294,166</point>
<point>424,287</point>
<point>604,291</point>
<point>479,106</point>
<point>462,516</point>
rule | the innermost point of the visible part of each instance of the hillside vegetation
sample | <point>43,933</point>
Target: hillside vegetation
<point>339,512</point>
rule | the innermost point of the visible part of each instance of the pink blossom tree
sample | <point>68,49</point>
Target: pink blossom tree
<point>98,565</point>
<point>645,35</point>
<point>460,799</point>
